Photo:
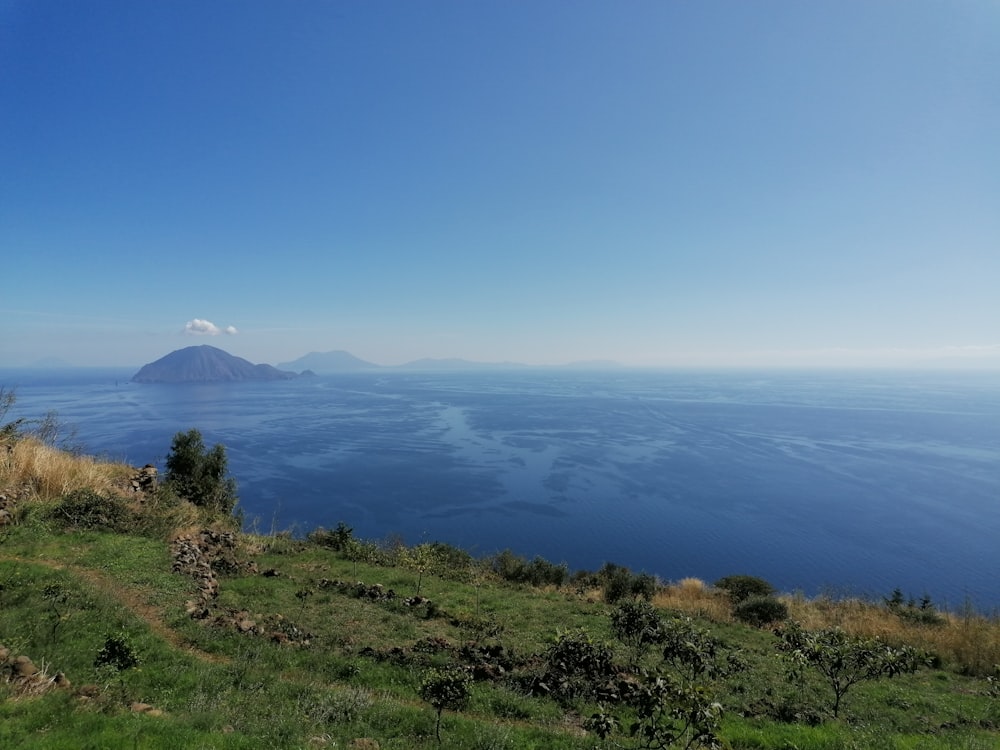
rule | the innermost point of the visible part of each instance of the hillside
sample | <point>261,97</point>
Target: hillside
<point>132,618</point>
<point>205,364</point>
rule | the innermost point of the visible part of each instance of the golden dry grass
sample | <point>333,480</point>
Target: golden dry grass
<point>47,472</point>
<point>970,640</point>
<point>693,597</point>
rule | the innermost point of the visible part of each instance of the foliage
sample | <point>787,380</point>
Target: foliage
<point>446,687</point>
<point>87,509</point>
<point>843,660</point>
<point>199,474</point>
<point>620,583</point>
<point>694,654</point>
<point>638,626</point>
<point>576,666</point>
<point>675,707</point>
<point>118,653</point>
<point>668,713</point>
<point>537,572</point>
<point>10,429</point>
<point>922,612</point>
<point>338,539</point>
<point>742,587</point>
<point>760,611</point>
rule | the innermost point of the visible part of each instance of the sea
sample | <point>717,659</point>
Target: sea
<point>835,483</point>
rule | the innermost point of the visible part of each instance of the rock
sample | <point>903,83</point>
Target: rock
<point>22,666</point>
<point>88,691</point>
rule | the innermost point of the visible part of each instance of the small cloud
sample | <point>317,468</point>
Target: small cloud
<point>199,327</point>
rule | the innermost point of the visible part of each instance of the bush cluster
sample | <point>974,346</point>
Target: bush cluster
<point>537,572</point>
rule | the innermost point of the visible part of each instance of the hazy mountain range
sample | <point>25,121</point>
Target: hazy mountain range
<point>209,364</point>
<point>341,361</point>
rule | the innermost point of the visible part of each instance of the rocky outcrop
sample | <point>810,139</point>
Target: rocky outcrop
<point>203,557</point>
<point>144,480</point>
<point>26,677</point>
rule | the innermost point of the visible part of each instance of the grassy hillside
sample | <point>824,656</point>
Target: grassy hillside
<point>132,618</point>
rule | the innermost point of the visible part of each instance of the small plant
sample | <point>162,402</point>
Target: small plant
<point>86,509</point>
<point>118,653</point>
<point>843,660</point>
<point>638,626</point>
<point>667,713</point>
<point>759,611</point>
<point>56,597</point>
<point>446,687</point>
<point>577,667</point>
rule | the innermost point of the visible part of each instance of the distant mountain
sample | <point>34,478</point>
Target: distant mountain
<point>205,364</point>
<point>457,364</point>
<point>335,361</point>
<point>594,364</point>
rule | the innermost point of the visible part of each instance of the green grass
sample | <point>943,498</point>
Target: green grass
<point>63,593</point>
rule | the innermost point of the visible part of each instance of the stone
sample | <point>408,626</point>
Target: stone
<point>22,666</point>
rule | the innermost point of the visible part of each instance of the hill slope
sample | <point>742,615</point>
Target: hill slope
<point>205,364</point>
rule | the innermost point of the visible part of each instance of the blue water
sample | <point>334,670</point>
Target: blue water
<point>842,483</point>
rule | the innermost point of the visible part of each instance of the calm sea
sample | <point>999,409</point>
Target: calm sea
<point>840,483</point>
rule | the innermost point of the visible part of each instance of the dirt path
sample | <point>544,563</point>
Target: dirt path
<point>154,616</point>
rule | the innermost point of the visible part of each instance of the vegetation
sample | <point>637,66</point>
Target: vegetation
<point>144,618</point>
<point>199,474</point>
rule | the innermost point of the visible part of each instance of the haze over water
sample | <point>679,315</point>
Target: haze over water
<point>837,482</point>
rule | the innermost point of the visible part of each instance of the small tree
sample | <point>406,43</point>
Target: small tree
<point>638,626</point>
<point>423,558</point>
<point>446,687</point>
<point>199,474</point>
<point>844,660</point>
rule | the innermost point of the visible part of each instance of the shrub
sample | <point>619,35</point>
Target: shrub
<point>538,572</point>
<point>742,587</point>
<point>577,667</point>
<point>86,509</point>
<point>117,653</point>
<point>199,474</point>
<point>638,626</point>
<point>844,660</point>
<point>760,611</point>
<point>339,539</point>
<point>620,583</point>
<point>447,687</point>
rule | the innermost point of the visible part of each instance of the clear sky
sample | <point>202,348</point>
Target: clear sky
<point>660,183</point>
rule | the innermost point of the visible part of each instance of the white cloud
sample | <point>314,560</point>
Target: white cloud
<point>199,327</point>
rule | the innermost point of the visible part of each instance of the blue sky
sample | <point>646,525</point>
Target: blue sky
<point>658,183</point>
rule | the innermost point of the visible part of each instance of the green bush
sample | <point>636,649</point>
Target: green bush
<point>537,572</point>
<point>620,583</point>
<point>760,611</point>
<point>742,587</point>
<point>86,509</point>
<point>200,475</point>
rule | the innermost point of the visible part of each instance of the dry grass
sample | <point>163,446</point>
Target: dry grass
<point>31,467</point>
<point>969,641</point>
<point>692,596</point>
